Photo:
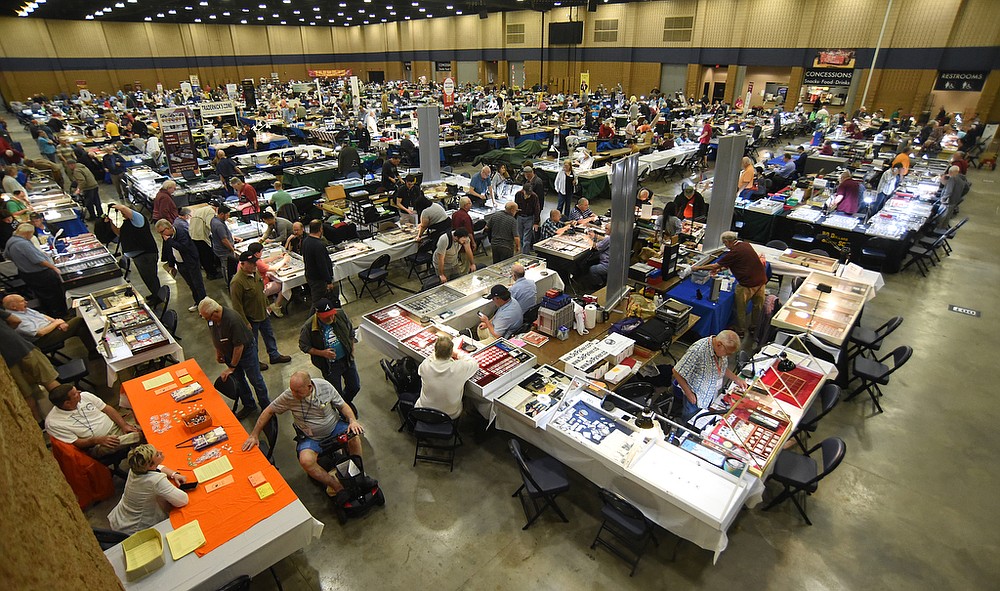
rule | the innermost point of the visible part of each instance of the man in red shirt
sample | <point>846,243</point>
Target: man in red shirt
<point>247,195</point>
<point>745,264</point>
<point>164,207</point>
<point>703,142</point>
<point>462,219</point>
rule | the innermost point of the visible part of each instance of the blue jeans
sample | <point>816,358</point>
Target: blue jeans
<point>264,328</point>
<point>689,409</point>
<point>565,204</point>
<point>343,374</point>
<point>525,229</point>
<point>248,370</point>
<point>511,141</point>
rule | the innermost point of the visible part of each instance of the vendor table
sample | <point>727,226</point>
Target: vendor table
<point>95,324</point>
<point>715,316</point>
<point>244,534</point>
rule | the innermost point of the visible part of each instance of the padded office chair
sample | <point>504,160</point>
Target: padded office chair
<point>829,396</point>
<point>874,372</point>
<point>803,236</point>
<point>874,253</point>
<point>435,430</point>
<point>74,372</point>
<point>377,274</point>
<point>865,340</point>
<point>630,531</point>
<point>544,478</point>
<point>800,474</point>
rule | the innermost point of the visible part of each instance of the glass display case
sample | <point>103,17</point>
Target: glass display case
<point>823,305</point>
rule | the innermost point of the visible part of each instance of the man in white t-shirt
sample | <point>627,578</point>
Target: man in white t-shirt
<point>84,420</point>
<point>443,378</point>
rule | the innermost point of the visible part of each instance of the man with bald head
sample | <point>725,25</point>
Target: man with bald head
<point>523,289</point>
<point>319,412</point>
<point>45,331</point>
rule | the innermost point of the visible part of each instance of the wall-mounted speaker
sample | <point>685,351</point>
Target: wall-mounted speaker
<point>592,6</point>
<point>483,14</point>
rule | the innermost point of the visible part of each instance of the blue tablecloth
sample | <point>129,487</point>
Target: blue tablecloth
<point>275,145</point>
<point>71,227</point>
<point>716,316</point>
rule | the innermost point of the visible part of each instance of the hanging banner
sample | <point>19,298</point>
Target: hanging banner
<point>449,92</point>
<point>328,73</point>
<point>834,58</point>
<point>249,94</point>
<point>210,111</point>
<point>178,145</point>
<point>355,93</point>
<point>233,91</point>
<point>961,81</point>
<point>442,66</point>
<point>827,77</point>
<point>194,81</point>
<point>584,82</point>
<point>186,89</point>
<point>274,78</point>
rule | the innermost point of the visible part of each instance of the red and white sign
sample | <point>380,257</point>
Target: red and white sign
<point>449,92</point>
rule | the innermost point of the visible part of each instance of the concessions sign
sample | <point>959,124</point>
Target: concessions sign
<point>961,81</point>
<point>449,92</point>
<point>329,73</point>
<point>827,77</point>
<point>177,141</point>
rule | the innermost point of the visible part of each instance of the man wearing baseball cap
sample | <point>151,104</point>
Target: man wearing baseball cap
<point>328,337</point>
<point>507,319</point>
<point>247,293</point>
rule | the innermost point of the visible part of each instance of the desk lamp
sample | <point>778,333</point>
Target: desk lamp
<point>821,288</point>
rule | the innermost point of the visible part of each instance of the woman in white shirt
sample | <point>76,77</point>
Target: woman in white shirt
<point>149,492</point>
<point>565,186</point>
<point>443,378</point>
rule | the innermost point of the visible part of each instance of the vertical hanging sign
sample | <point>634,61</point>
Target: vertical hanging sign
<point>449,92</point>
<point>178,144</point>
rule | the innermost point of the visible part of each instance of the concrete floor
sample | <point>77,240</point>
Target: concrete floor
<point>910,508</point>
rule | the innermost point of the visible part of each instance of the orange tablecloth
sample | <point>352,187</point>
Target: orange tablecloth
<point>230,510</point>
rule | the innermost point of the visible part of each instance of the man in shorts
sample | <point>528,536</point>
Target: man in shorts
<point>319,412</point>
<point>29,367</point>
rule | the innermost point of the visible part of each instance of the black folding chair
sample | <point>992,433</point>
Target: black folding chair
<point>544,478</point>
<point>435,431</point>
<point>874,372</point>
<point>799,473</point>
<point>377,274</point>
<point>829,396</point>
<point>865,340</point>
<point>630,531</point>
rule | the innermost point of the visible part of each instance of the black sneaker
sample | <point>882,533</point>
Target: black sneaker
<point>245,412</point>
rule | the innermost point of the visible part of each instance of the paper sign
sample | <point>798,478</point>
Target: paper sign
<point>214,486</point>
<point>213,469</point>
<point>185,539</point>
<point>265,490</point>
<point>257,479</point>
<point>186,379</point>
<point>160,380</point>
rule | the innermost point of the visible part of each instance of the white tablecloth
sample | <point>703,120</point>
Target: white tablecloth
<point>779,267</point>
<point>249,553</point>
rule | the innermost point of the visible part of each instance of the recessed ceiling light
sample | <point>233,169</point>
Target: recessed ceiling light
<point>275,15</point>
<point>450,7</point>
<point>245,9</point>
<point>203,3</point>
<point>317,17</point>
<point>296,12</point>
<point>383,20</point>
<point>430,16</point>
<point>99,13</point>
<point>343,5</point>
<point>340,14</point>
<point>243,21</point>
<point>361,11</point>
<point>422,9</point>
<point>366,22</point>
<point>89,17</point>
<point>260,18</point>
<point>212,16</point>
<point>350,18</point>
<point>407,17</point>
<point>171,11</point>
<point>120,5</point>
<point>159,15</point>
<point>148,18</point>
<point>458,12</point>
<point>189,8</point>
<point>226,13</point>
<point>414,4</point>
<point>392,13</point>
<point>302,20</point>
<point>330,21</point>
<point>371,16</point>
<point>133,1</point>
<point>197,20</point>
<point>262,6</point>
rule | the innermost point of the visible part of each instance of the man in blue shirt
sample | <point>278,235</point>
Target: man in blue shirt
<point>523,290</point>
<point>581,214</point>
<point>37,270</point>
<point>480,186</point>
<point>701,372</point>
<point>328,337</point>
<point>115,165</point>
<point>507,319</point>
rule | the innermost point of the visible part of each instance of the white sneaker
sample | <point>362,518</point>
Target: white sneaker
<point>193,309</point>
<point>276,310</point>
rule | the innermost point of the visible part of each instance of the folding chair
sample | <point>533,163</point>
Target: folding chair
<point>874,372</point>
<point>629,529</point>
<point>435,430</point>
<point>800,474</point>
<point>544,478</point>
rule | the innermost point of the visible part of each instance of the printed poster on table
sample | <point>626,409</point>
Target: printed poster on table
<point>178,144</point>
